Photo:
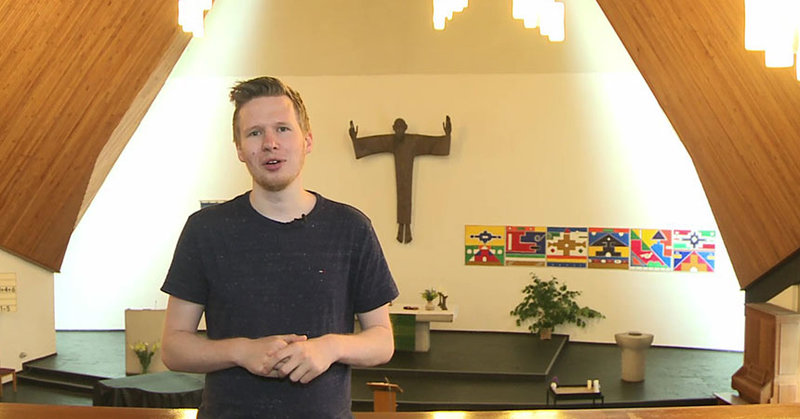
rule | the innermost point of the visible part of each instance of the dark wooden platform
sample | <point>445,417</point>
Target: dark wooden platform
<point>479,354</point>
<point>464,371</point>
<point>511,371</point>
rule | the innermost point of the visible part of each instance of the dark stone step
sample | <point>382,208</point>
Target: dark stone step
<point>56,383</point>
<point>480,393</point>
<point>77,382</point>
<point>455,355</point>
<point>78,377</point>
<point>381,371</point>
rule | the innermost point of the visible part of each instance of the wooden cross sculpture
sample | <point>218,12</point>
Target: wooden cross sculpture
<point>405,148</point>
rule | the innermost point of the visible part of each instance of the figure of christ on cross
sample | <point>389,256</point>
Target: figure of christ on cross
<point>405,148</point>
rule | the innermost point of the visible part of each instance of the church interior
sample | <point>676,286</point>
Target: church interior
<point>650,115</point>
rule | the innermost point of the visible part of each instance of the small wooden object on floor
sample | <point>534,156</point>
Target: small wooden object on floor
<point>8,371</point>
<point>574,393</point>
<point>384,395</point>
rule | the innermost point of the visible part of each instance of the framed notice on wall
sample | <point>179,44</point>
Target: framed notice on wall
<point>8,292</point>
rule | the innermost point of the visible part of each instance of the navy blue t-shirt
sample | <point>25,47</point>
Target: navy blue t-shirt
<point>257,277</point>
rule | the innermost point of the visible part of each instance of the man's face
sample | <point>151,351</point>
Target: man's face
<point>272,144</point>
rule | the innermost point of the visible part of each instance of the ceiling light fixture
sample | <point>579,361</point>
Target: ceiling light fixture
<point>547,15</point>
<point>443,11</point>
<point>773,26</point>
<point>191,14</point>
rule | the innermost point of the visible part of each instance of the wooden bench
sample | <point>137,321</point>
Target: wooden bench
<point>8,371</point>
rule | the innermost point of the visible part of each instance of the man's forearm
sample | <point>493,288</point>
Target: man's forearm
<point>305,361</point>
<point>190,352</point>
<point>370,347</point>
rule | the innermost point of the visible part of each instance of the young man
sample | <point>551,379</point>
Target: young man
<point>280,273</point>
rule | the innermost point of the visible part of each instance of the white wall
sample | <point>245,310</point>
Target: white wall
<point>529,161</point>
<point>28,333</point>
<point>579,141</point>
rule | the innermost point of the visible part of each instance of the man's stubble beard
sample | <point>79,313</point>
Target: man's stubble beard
<point>276,185</point>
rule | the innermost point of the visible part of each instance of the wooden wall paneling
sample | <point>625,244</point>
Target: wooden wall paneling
<point>130,121</point>
<point>772,342</point>
<point>739,121</point>
<point>71,72</point>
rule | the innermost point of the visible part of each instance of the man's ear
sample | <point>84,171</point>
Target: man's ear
<point>309,139</point>
<point>239,152</point>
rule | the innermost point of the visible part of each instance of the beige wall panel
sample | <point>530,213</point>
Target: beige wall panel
<point>29,332</point>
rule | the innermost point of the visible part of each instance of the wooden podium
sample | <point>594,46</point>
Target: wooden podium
<point>384,396</point>
<point>771,370</point>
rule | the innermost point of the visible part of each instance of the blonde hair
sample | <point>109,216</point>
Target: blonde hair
<point>245,91</point>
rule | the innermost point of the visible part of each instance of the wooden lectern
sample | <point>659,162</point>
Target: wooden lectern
<point>771,370</point>
<point>384,396</point>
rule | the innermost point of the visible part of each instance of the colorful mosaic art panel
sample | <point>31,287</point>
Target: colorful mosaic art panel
<point>609,248</point>
<point>526,245</point>
<point>693,250</point>
<point>567,246</point>
<point>484,245</point>
<point>599,248</point>
<point>651,249</point>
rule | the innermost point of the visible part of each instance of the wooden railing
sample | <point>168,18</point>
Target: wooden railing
<point>31,411</point>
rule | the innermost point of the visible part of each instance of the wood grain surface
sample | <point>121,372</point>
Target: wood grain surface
<point>739,120</point>
<point>71,72</point>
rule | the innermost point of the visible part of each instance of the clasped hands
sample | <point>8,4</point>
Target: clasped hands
<point>288,356</point>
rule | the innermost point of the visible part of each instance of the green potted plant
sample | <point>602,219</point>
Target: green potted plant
<point>547,304</point>
<point>429,295</point>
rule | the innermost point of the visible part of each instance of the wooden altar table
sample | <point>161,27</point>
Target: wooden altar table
<point>422,331</point>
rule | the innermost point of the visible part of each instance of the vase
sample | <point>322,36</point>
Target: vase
<point>545,333</point>
<point>144,361</point>
<point>429,306</point>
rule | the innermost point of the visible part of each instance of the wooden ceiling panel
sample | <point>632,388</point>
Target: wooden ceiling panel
<point>739,121</point>
<point>71,72</point>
